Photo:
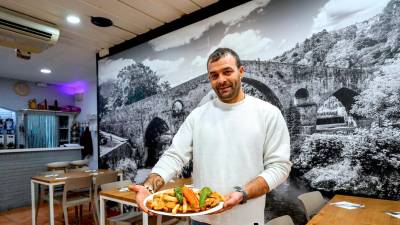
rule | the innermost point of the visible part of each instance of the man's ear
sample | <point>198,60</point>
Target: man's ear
<point>241,71</point>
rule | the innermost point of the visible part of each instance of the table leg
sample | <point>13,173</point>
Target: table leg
<point>33,203</point>
<point>120,175</point>
<point>145,219</point>
<point>102,212</point>
<point>51,203</point>
<point>159,219</point>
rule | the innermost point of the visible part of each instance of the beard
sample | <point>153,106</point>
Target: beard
<point>227,91</point>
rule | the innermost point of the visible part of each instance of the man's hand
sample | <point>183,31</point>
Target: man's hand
<point>153,183</point>
<point>231,200</point>
<point>141,194</point>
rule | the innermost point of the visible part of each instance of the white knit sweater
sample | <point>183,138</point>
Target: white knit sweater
<point>231,144</point>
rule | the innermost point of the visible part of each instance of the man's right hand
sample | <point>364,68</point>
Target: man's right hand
<point>141,194</point>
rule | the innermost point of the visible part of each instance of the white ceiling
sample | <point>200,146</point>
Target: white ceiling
<point>73,57</point>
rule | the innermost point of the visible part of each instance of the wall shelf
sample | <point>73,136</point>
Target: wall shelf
<point>47,111</point>
<point>63,123</point>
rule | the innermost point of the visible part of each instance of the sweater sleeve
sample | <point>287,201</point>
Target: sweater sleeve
<point>276,154</point>
<point>178,154</point>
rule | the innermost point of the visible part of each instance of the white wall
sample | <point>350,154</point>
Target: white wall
<point>10,100</point>
<point>88,104</point>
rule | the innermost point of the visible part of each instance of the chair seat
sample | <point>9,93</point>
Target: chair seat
<point>57,195</point>
<point>57,165</point>
<point>81,162</point>
<point>77,200</point>
<point>282,220</point>
<point>128,218</point>
<point>132,215</point>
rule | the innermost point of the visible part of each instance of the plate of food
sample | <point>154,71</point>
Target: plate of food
<point>185,201</point>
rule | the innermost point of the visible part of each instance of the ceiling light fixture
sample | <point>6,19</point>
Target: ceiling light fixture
<point>73,19</point>
<point>101,21</point>
<point>45,71</point>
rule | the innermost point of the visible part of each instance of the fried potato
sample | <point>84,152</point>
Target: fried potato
<point>169,198</point>
<point>175,209</point>
<point>171,205</point>
<point>149,204</point>
<point>158,205</point>
<point>218,196</point>
<point>169,192</point>
<point>185,205</point>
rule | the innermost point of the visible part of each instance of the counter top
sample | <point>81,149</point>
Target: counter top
<point>38,149</point>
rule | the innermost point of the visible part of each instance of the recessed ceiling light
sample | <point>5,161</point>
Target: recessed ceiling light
<point>73,19</point>
<point>45,71</point>
<point>101,21</point>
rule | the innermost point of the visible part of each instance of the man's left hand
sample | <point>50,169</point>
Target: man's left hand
<point>231,200</point>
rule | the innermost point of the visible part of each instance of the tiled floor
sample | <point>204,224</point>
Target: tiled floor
<point>22,216</point>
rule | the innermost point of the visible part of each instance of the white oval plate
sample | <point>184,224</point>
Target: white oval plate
<point>214,209</point>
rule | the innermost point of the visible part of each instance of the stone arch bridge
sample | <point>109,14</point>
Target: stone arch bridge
<point>284,85</point>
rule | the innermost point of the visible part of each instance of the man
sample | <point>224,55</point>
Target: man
<point>239,145</point>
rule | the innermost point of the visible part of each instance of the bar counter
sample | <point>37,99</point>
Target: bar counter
<point>17,166</point>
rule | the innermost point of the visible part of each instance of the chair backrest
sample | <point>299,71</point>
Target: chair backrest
<point>282,220</point>
<point>312,202</point>
<point>78,184</point>
<point>115,185</point>
<point>105,178</point>
<point>107,182</point>
<point>81,169</point>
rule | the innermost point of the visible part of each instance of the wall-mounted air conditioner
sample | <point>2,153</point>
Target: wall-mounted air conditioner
<point>25,33</point>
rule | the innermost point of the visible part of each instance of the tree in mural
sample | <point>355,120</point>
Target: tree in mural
<point>134,83</point>
<point>293,120</point>
<point>102,104</point>
<point>381,99</point>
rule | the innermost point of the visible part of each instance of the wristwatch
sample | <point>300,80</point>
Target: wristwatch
<point>244,193</point>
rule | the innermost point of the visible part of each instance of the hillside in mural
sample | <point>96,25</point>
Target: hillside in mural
<point>370,43</point>
<point>352,159</point>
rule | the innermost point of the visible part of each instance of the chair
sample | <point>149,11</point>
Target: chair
<point>282,220</point>
<point>79,163</point>
<point>57,166</point>
<point>80,169</point>
<point>124,218</point>
<point>100,180</point>
<point>77,198</point>
<point>312,202</point>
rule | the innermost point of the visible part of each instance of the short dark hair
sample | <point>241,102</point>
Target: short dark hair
<point>222,52</point>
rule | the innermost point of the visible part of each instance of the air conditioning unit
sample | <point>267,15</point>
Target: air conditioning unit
<point>25,33</point>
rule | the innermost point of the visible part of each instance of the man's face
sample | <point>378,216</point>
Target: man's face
<point>224,77</point>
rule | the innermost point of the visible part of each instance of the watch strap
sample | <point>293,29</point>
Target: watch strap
<point>244,193</point>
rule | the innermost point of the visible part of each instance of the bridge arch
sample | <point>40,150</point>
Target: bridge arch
<point>301,97</point>
<point>269,95</point>
<point>157,138</point>
<point>344,94</point>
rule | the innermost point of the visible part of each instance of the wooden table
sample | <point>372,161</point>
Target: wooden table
<point>128,198</point>
<point>371,214</point>
<point>51,182</point>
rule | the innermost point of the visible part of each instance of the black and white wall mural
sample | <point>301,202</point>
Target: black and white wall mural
<point>331,66</point>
